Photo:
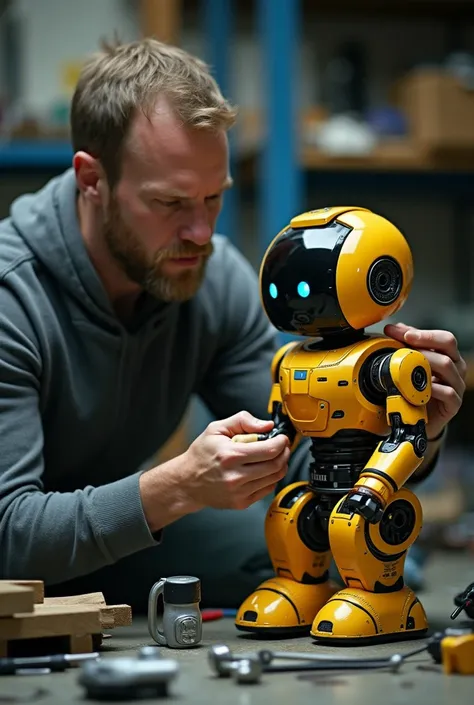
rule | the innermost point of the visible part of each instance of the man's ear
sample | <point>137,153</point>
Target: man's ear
<point>90,178</point>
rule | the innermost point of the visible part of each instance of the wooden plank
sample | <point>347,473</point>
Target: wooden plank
<point>15,598</point>
<point>90,598</point>
<point>36,585</point>
<point>106,618</point>
<point>51,620</point>
<point>111,615</point>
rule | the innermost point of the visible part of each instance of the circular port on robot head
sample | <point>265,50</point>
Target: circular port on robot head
<point>384,281</point>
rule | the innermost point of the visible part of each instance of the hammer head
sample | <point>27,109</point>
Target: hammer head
<point>220,659</point>
<point>249,670</point>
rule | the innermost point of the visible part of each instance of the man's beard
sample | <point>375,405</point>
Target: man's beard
<point>147,270</point>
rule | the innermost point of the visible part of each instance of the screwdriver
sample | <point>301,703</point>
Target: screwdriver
<point>57,662</point>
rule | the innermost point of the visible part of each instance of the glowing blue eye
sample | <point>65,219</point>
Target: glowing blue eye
<point>273,291</point>
<point>303,289</point>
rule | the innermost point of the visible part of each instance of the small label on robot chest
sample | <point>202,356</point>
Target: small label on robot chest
<point>300,374</point>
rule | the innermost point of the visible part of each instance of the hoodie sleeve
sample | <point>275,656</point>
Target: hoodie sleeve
<point>239,377</point>
<point>51,536</point>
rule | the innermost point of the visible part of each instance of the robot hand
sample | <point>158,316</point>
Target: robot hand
<point>367,504</point>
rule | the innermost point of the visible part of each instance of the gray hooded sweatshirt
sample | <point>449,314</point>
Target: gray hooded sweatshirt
<point>85,402</point>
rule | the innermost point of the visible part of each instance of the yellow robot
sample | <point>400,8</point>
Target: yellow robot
<point>361,399</point>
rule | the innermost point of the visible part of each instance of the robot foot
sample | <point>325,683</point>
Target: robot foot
<point>281,606</point>
<point>354,616</point>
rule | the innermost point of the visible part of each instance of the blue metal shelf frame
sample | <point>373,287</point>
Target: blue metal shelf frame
<point>280,173</point>
<point>34,154</point>
<point>218,27</point>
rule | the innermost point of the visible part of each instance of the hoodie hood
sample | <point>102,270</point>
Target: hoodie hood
<point>47,222</point>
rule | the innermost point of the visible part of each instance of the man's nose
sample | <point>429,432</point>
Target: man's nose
<point>198,228</point>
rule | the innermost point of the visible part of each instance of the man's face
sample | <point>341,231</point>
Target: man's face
<point>161,215</point>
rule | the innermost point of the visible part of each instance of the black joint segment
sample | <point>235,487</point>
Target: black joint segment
<point>406,433</point>
<point>386,377</point>
<point>366,506</point>
<point>375,381</point>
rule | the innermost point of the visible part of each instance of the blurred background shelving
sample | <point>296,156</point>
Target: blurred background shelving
<point>368,102</point>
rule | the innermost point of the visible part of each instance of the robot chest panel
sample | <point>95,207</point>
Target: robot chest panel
<point>321,395</point>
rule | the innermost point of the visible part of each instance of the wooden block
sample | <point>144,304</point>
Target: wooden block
<point>36,585</point>
<point>122,614</point>
<point>15,598</point>
<point>81,644</point>
<point>51,620</point>
<point>111,615</point>
<point>106,619</point>
<point>91,598</point>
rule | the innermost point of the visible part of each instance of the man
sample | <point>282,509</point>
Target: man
<point>117,304</point>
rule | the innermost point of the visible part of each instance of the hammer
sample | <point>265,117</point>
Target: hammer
<point>243,669</point>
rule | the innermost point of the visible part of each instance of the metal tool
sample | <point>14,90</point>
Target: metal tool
<point>147,675</point>
<point>464,601</point>
<point>43,664</point>
<point>224,663</point>
<point>245,669</point>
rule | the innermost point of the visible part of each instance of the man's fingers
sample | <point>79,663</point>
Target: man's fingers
<point>438,340</point>
<point>449,398</point>
<point>396,330</point>
<point>267,480</point>
<point>240,423</point>
<point>444,370</point>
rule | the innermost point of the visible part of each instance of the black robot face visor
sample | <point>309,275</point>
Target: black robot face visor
<point>298,280</point>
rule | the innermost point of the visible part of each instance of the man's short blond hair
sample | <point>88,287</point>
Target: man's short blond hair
<point>123,79</point>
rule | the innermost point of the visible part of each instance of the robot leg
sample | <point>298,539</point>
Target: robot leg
<point>375,605</point>
<point>299,549</point>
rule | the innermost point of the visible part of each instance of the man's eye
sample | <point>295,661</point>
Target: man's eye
<point>167,204</point>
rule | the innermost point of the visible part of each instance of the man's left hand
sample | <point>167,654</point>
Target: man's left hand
<point>448,369</point>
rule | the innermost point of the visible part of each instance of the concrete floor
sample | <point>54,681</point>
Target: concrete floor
<point>447,574</point>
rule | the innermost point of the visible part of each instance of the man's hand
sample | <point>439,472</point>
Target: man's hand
<point>448,371</point>
<point>215,472</point>
<point>225,475</point>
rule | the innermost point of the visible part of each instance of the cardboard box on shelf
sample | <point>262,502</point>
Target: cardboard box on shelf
<point>440,111</point>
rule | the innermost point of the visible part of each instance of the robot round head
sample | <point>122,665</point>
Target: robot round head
<point>335,270</point>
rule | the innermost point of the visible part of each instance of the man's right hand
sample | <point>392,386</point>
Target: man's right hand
<point>227,475</point>
<point>215,472</point>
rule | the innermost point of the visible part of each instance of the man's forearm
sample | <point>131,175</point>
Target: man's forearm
<point>163,494</point>
<point>58,536</point>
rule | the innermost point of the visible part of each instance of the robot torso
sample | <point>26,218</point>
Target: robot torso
<point>327,391</point>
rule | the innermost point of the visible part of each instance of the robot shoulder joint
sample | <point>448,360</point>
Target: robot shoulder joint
<point>410,374</point>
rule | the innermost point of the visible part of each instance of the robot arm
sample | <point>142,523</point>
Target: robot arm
<point>405,378</point>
